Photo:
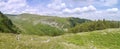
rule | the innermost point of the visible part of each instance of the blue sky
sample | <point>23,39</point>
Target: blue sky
<point>89,9</point>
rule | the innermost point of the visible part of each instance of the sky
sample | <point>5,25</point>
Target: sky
<point>89,9</point>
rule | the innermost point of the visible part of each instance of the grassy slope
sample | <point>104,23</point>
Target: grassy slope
<point>103,39</point>
<point>31,24</point>
<point>34,18</point>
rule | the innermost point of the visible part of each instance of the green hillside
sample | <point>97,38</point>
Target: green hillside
<point>103,39</point>
<point>6,25</point>
<point>44,25</point>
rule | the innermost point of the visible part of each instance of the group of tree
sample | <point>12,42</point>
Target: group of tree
<point>94,25</point>
<point>6,25</point>
<point>74,21</point>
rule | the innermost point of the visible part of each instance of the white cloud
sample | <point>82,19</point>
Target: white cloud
<point>2,4</point>
<point>80,10</point>
<point>60,8</point>
<point>76,10</point>
<point>98,12</point>
<point>30,10</point>
<point>12,6</point>
<point>110,2</point>
<point>67,10</point>
<point>112,10</point>
<point>56,5</point>
<point>99,15</point>
<point>91,8</point>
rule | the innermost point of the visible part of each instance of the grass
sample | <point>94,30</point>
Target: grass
<point>31,24</point>
<point>39,25</point>
<point>9,41</point>
<point>105,39</point>
<point>102,39</point>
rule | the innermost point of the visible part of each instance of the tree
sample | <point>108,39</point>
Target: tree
<point>6,25</point>
<point>95,25</point>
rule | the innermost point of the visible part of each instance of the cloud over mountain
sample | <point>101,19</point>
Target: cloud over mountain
<point>60,7</point>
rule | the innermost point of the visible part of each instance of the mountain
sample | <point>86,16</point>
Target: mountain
<point>10,14</point>
<point>44,25</point>
<point>102,39</point>
<point>6,25</point>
